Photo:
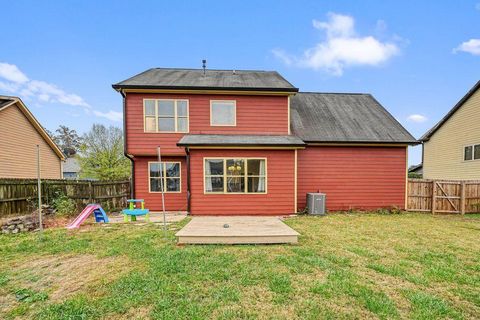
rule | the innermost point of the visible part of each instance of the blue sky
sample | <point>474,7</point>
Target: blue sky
<point>418,58</point>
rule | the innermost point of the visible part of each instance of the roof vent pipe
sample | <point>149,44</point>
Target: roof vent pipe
<point>204,66</point>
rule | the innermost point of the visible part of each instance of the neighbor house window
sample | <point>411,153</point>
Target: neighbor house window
<point>238,175</point>
<point>223,113</point>
<point>166,175</point>
<point>472,152</point>
<point>165,115</point>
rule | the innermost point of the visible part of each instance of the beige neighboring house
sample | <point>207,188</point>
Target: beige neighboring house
<point>451,149</point>
<point>20,133</point>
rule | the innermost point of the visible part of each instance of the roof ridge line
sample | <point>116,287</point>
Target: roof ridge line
<point>209,69</point>
<point>349,93</point>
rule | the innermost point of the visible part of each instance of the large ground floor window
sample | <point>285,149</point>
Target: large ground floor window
<point>166,173</point>
<point>235,175</point>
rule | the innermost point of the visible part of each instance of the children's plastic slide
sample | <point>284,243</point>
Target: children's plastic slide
<point>96,209</point>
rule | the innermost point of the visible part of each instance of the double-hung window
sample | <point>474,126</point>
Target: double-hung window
<point>165,115</point>
<point>471,152</point>
<point>223,113</point>
<point>235,175</point>
<point>164,175</point>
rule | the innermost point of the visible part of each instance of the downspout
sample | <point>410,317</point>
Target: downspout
<point>423,153</point>
<point>132,181</point>
<point>187,150</point>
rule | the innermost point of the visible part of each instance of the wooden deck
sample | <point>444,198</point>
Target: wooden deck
<point>241,230</point>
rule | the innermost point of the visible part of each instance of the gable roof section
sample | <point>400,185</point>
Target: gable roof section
<point>344,118</point>
<point>5,102</point>
<point>415,168</point>
<point>459,104</point>
<point>194,79</point>
<point>15,101</point>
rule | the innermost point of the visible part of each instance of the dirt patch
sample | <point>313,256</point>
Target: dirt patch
<point>7,301</point>
<point>56,222</point>
<point>63,276</point>
<point>137,313</point>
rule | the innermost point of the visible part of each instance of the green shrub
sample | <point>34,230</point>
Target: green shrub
<point>414,175</point>
<point>64,205</point>
<point>389,210</point>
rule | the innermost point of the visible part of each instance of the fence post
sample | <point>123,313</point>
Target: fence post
<point>434,196</point>
<point>90,192</point>
<point>462,198</point>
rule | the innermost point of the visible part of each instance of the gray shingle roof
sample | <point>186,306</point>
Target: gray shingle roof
<point>4,101</point>
<point>238,140</point>
<point>416,168</point>
<point>71,165</point>
<point>165,78</point>
<point>344,118</point>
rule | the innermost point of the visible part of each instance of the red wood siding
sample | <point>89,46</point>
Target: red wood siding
<point>153,201</point>
<point>353,177</point>
<point>255,115</point>
<point>280,185</point>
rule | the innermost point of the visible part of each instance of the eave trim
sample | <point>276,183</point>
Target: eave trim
<point>31,118</point>
<point>200,88</point>
<point>450,113</point>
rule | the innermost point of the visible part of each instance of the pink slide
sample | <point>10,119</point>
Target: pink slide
<point>82,216</point>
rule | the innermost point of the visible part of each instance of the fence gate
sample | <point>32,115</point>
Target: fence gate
<point>443,196</point>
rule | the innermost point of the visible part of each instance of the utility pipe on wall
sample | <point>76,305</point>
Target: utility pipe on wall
<point>39,186</point>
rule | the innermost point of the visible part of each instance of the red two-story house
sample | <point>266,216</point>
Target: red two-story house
<point>248,143</point>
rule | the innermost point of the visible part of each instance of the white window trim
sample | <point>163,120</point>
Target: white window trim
<point>176,117</point>
<point>234,113</point>
<point>225,175</point>
<point>164,178</point>
<point>473,152</point>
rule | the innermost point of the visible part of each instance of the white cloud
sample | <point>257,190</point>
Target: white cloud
<point>9,86</point>
<point>47,92</point>
<point>283,56</point>
<point>418,118</point>
<point>110,115</point>
<point>471,46</point>
<point>11,73</point>
<point>338,25</point>
<point>341,48</point>
<point>16,82</point>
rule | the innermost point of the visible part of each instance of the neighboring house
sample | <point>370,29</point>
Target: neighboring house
<point>71,169</point>
<point>451,149</point>
<point>418,169</point>
<point>20,133</point>
<point>247,142</point>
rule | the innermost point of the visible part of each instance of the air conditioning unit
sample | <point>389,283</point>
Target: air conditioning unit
<point>316,203</point>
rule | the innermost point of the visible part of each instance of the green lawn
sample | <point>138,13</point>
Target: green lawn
<point>345,266</point>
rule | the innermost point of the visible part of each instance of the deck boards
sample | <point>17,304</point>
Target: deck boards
<point>241,230</point>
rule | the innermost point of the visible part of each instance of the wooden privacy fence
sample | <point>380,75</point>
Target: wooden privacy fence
<point>19,196</point>
<point>443,196</point>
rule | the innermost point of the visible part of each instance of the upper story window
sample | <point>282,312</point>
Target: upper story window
<point>223,113</point>
<point>471,152</point>
<point>165,115</point>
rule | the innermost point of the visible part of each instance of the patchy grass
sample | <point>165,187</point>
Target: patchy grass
<point>345,266</point>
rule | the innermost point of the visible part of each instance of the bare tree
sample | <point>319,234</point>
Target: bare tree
<point>68,140</point>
